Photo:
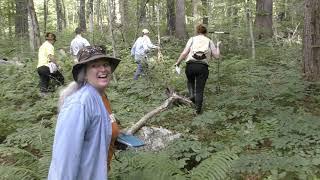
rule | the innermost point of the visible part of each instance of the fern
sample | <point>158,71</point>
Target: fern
<point>17,157</point>
<point>43,166</point>
<point>17,164</point>
<point>14,173</point>
<point>143,165</point>
<point>35,139</point>
<point>214,168</point>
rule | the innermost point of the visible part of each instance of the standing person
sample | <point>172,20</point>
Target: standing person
<point>197,53</point>
<point>84,127</point>
<point>139,50</point>
<point>78,43</point>
<point>47,64</point>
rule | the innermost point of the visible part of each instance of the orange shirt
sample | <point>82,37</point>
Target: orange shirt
<point>115,130</point>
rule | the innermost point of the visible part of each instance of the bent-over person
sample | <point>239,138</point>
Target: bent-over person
<point>47,64</point>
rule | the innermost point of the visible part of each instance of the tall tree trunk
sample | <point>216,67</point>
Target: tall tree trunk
<point>281,13</point>
<point>158,28</point>
<point>171,17</point>
<point>64,15</point>
<point>21,18</point>
<point>2,22</point>
<point>154,14</point>
<point>232,12</point>
<point>111,34</point>
<point>34,32</point>
<point>111,28</point>
<point>98,13</point>
<point>10,10</point>
<point>205,7</point>
<point>180,19</point>
<point>113,11</point>
<point>195,13</point>
<point>45,15</point>
<point>82,15</point>
<point>141,14</point>
<point>59,15</point>
<point>250,29</point>
<point>90,11</point>
<point>124,19</point>
<point>124,13</point>
<point>263,22</point>
<point>311,40</point>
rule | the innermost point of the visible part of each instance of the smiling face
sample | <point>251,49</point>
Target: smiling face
<point>99,74</point>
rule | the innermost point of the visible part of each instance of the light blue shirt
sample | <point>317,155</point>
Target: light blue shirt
<point>78,43</point>
<point>142,46</point>
<point>82,138</point>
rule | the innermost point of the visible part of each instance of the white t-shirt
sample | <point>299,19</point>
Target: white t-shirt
<point>78,43</point>
<point>200,40</point>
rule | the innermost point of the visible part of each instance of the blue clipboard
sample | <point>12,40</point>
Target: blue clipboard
<point>129,140</point>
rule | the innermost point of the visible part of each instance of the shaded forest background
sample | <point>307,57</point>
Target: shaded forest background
<point>261,109</point>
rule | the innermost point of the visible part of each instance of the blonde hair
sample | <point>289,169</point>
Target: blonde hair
<point>72,87</point>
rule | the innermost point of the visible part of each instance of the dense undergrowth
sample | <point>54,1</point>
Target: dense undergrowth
<point>262,124</point>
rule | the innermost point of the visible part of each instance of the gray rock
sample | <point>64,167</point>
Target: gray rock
<point>156,138</point>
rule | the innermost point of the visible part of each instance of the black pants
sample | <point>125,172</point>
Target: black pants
<point>45,76</point>
<point>197,75</point>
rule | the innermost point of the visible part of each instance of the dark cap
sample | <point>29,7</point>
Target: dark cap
<point>78,30</point>
<point>92,53</point>
<point>50,36</point>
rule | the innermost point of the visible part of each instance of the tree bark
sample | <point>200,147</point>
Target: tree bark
<point>64,14</point>
<point>311,40</point>
<point>263,22</point>
<point>99,14</point>
<point>195,13</point>
<point>1,22</point>
<point>123,8</point>
<point>160,57</point>
<point>45,15</point>
<point>82,15</point>
<point>90,5</point>
<point>180,19</point>
<point>141,14</point>
<point>171,18</point>
<point>250,29</point>
<point>205,18</point>
<point>59,15</point>
<point>21,18</point>
<point>111,34</point>
<point>11,13</point>
<point>34,32</point>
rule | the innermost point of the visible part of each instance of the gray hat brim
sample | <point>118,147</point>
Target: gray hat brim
<point>114,62</point>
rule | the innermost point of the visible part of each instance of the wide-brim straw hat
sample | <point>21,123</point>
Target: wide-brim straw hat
<point>92,53</point>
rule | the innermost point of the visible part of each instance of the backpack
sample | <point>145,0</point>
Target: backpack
<point>199,48</point>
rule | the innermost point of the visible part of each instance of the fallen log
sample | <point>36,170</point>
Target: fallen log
<point>173,97</point>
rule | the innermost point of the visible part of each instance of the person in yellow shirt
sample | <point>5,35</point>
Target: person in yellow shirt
<point>47,65</point>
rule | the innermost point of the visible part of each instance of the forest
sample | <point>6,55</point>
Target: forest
<point>261,106</point>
